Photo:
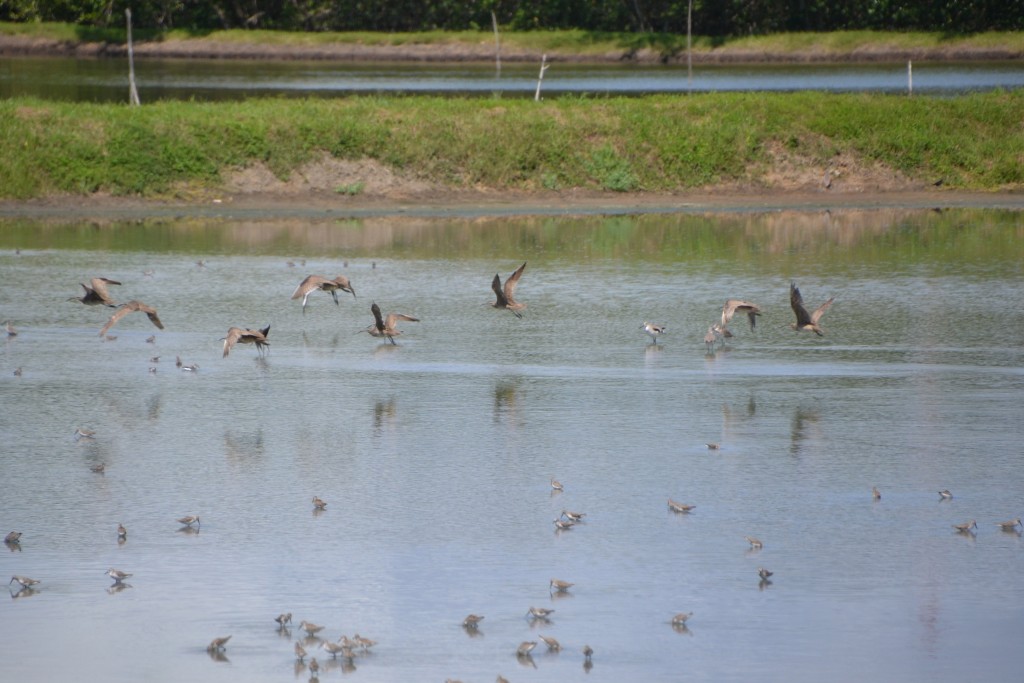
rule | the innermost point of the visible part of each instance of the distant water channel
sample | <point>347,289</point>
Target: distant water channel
<point>435,454</point>
<point>106,80</point>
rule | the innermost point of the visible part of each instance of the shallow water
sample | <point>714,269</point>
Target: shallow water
<point>435,455</point>
<point>106,80</point>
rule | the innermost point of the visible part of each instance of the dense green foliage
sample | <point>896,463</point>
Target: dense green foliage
<point>710,17</point>
<point>658,143</point>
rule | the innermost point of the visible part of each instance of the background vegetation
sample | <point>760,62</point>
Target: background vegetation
<point>659,143</point>
<point>710,17</point>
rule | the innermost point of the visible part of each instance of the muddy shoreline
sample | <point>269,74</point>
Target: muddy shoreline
<point>13,45</point>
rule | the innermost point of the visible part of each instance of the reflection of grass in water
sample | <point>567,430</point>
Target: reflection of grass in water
<point>772,241</point>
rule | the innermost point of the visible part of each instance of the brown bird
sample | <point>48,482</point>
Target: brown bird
<point>681,618</point>
<point>13,537</point>
<point>131,307</point>
<point>553,645</point>
<point>525,648</point>
<point>472,621</point>
<point>237,335</point>
<point>11,332</point>
<point>755,543</point>
<point>733,306</point>
<point>300,652</point>
<point>505,296</point>
<point>676,506</point>
<point>319,503</point>
<point>875,493</point>
<point>218,644</point>
<point>96,293</point>
<point>1010,525</point>
<point>559,586</point>
<point>385,327</point>
<point>805,321</point>
<point>282,619</point>
<point>315,283</point>
<point>966,527</point>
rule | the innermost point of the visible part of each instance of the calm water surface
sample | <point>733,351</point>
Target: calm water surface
<point>435,455</point>
<point>107,79</point>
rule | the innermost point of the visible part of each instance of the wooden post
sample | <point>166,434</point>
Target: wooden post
<point>497,43</point>
<point>133,94</point>
<point>543,67</point>
<point>910,78</point>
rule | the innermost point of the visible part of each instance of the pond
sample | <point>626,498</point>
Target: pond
<point>106,80</point>
<point>435,454</point>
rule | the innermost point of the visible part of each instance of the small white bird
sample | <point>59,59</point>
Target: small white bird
<point>117,575</point>
<point>653,331</point>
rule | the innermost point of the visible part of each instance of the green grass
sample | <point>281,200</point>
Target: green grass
<point>661,143</point>
<point>838,44</point>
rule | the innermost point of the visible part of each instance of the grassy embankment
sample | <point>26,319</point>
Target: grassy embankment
<point>838,45</point>
<point>656,144</point>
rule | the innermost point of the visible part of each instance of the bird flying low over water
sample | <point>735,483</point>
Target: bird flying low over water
<point>734,306</point>
<point>96,293</point>
<point>385,327</point>
<point>315,283</point>
<point>237,335</point>
<point>505,296</point>
<point>132,307</point>
<point>804,320</point>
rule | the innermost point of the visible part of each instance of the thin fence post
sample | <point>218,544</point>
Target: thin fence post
<point>910,78</point>
<point>497,43</point>
<point>133,94</point>
<point>543,67</point>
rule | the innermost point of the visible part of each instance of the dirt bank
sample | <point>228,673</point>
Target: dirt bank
<point>13,45</point>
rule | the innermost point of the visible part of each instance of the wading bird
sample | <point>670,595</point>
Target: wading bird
<point>805,321</point>
<point>315,283</point>
<point>237,335</point>
<point>132,307</point>
<point>385,327</point>
<point>96,293</point>
<point>505,295</point>
<point>734,306</point>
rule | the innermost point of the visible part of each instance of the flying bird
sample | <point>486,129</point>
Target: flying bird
<point>734,306</point>
<point>237,335</point>
<point>385,327</point>
<point>315,283</point>
<point>96,293</point>
<point>505,296</point>
<point>132,307</point>
<point>805,321</point>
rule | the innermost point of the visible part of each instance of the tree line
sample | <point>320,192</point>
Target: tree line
<point>721,18</point>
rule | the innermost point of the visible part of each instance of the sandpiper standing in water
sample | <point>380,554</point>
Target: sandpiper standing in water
<point>117,575</point>
<point>653,331</point>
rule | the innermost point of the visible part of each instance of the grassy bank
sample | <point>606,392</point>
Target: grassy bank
<point>654,144</point>
<point>838,45</point>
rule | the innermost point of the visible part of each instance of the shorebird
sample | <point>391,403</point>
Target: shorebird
<point>189,520</point>
<point>335,649</point>
<point>237,335</point>
<point>681,618</point>
<point>556,485</point>
<point>17,371</point>
<point>573,516</point>
<point>25,581</point>
<point>472,621</point>
<point>559,586</point>
<point>653,331</point>
<point>755,543</point>
<point>563,524</point>
<point>588,652</point>
<point>1011,525</point>
<point>553,645</point>
<point>132,307</point>
<point>218,644</point>
<point>944,494</point>
<point>122,533</point>
<point>764,573</point>
<point>11,332</point>
<point>385,327</point>
<point>676,506</point>
<point>300,652</point>
<point>315,283</point>
<point>99,468</point>
<point>500,679</point>
<point>505,295</point>
<point>525,648</point>
<point>733,306</point>
<point>539,612</point>
<point>875,493</point>
<point>283,619</point>
<point>966,527</point>
<point>363,643</point>
<point>805,320</point>
<point>319,503</point>
<point>713,446</point>
<point>310,628</point>
<point>314,668</point>
<point>712,337</point>
<point>117,575</point>
<point>96,293</point>
<point>13,537</point>
<point>82,433</point>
